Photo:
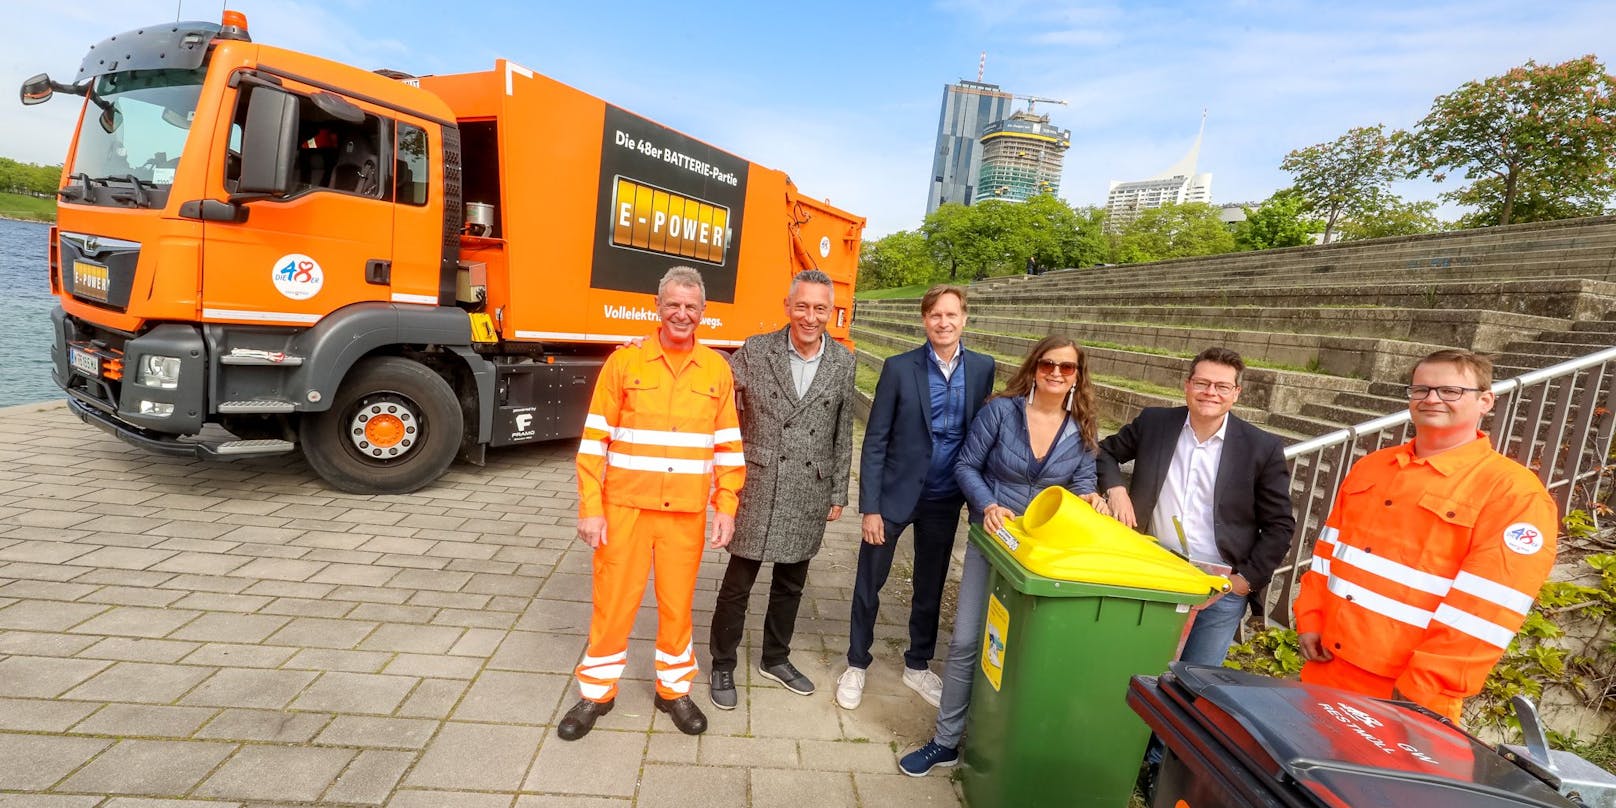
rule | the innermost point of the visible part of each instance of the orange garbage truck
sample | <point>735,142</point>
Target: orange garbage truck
<point>259,251</point>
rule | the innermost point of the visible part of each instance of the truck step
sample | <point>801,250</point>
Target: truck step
<point>244,356</point>
<point>268,405</point>
<point>248,448</point>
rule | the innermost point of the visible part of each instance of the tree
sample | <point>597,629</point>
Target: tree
<point>1335,177</point>
<point>1278,222</point>
<point>1173,231</point>
<point>897,259</point>
<point>1386,214</point>
<point>1055,235</point>
<point>1533,203</point>
<point>1536,134</point>
<point>948,235</point>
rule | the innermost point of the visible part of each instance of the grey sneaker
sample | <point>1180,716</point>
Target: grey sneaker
<point>787,674</point>
<point>721,689</point>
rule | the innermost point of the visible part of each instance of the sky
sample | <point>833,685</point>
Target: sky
<point>844,96</point>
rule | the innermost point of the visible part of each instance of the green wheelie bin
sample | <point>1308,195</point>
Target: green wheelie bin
<point>1049,723</point>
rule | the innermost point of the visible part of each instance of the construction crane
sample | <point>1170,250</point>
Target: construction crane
<point>1033,99</point>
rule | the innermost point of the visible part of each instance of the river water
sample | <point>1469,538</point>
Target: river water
<point>25,305</point>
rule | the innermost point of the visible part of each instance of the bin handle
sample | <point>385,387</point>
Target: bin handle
<point>1537,742</point>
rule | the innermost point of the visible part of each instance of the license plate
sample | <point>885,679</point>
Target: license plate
<point>85,362</point>
<point>91,281</point>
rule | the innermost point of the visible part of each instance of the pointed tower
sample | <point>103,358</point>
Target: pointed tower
<point>1175,186</point>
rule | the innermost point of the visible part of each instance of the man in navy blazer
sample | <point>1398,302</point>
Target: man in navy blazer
<point>1202,473</point>
<point>923,406</point>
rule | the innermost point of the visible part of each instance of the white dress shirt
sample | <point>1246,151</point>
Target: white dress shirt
<point>1187,493</point>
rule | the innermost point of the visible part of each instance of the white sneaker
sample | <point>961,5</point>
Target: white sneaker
<point>926,683</point>
<point>850,688</point>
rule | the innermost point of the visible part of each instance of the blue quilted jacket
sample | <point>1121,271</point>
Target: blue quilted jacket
<point>995,463</point>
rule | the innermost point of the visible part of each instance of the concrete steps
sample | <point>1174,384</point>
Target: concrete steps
<point>1583,263</point>
<point>1356,316</point>
<point>1553,348</point>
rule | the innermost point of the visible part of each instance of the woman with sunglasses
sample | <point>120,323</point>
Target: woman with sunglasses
<point>1038,432</point>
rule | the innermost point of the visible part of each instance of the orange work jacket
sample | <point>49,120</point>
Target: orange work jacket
<point>1427,567</point>
<point>657,436</point>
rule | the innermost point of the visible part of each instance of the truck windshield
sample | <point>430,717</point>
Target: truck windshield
<point>132,136</point>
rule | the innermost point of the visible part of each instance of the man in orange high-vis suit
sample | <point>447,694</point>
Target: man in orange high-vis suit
<point>1432,555</point>
<point>661,431</point>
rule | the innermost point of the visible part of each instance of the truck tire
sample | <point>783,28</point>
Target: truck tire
<point>393,427</point>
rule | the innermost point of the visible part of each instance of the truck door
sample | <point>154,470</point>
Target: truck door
<point>418,213</point>
<point>323,246</point>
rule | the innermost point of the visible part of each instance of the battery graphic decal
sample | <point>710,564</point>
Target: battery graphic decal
<point>665,199</point>
<point>660,221</point>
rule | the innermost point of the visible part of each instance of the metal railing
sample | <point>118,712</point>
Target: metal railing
<point>1556,421</point>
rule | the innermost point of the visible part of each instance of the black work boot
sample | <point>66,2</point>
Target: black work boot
<point>581,718</point>
<point>685,714</point>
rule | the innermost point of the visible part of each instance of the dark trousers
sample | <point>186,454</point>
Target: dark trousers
<point>935,522</point>
<point>729,616</point>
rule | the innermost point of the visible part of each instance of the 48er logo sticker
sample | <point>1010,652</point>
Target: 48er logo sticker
<point>1523,538</point>
<point>298,276</point>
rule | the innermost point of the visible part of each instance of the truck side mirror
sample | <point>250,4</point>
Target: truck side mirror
<point>36,90</point>
<point>268,143</point>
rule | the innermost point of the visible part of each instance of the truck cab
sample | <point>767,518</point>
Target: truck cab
<point>239,226</point>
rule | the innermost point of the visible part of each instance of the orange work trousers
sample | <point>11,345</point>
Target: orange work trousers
<point>637,540</point>
<point>1347,676</point>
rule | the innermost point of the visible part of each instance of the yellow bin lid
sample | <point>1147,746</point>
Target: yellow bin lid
<point>1063,537</point>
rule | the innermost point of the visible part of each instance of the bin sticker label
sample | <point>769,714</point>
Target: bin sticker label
<point>1008,539</point>
<point>993,641</point>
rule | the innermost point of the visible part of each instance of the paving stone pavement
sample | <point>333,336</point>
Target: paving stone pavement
<point>185,634</point>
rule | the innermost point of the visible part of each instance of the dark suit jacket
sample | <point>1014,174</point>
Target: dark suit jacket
<point>1251,501</point>
<point>897,437</point>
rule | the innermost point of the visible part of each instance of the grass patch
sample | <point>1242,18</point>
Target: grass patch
<point>23,206</point>
<point>895,292</point>
<point>865,378</point>
<point>1138,386</point>
<point>1115,346</point>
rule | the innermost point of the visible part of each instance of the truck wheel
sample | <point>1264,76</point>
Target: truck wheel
<point>393,427</point>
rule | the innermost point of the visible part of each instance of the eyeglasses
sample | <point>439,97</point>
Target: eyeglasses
<point>1050,366</point>
<point>1221,388</point>
<point>1446,392</point>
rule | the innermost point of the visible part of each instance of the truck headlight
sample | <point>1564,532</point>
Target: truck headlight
<point>159,371</point>
<point>156,408</point>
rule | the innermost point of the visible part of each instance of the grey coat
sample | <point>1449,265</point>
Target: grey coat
<point>799,452</point>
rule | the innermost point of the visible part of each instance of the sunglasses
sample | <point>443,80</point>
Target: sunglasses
<point>1050,366</point>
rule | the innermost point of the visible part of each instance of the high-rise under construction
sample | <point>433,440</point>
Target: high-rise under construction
<point>1022,157</point>
<point>969,107</point>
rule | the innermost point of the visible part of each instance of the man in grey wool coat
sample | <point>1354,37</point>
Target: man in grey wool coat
<point>794,391</point>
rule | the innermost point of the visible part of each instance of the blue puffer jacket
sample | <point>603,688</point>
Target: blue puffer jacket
<point>995,461</point>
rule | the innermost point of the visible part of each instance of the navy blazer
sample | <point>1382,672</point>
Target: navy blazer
<point>993,465</point>
<point>1251,500</point>
<point>897,436</point>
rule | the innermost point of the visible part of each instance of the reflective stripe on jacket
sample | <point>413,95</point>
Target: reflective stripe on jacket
<point>1427,567</point>
<point>658,438</point>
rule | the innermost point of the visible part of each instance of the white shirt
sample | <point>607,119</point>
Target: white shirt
<point>947,367</point>
<point>804,368</point>
<point>1187,493</point>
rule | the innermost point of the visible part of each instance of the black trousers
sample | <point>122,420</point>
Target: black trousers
<point>935,521</point>
<point>729,616</point>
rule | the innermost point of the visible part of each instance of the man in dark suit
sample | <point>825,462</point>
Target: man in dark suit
<point>1221,484</point>
<point>1205,479</point>
<point>923,406</point>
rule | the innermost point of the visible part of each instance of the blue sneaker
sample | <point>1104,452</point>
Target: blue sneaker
<point>920,762</point>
